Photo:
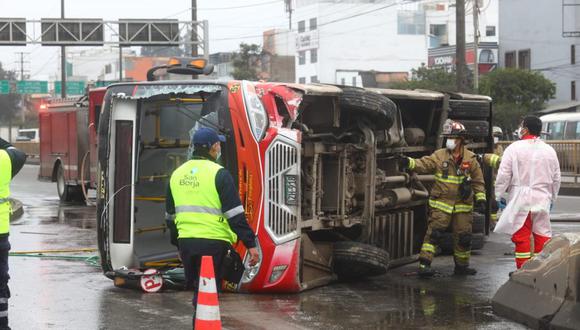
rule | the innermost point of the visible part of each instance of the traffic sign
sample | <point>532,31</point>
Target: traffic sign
<point>4,87</point>
<point>31,87</point>
<point>72,88</point>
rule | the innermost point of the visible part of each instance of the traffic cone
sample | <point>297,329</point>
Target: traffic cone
<point>207,314</point>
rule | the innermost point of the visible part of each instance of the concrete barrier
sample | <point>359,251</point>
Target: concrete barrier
<point>544,293</point>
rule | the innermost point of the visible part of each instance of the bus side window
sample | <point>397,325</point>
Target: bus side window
<point>571,129</point>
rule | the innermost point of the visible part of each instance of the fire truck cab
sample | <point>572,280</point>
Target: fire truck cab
<point>316,166</point>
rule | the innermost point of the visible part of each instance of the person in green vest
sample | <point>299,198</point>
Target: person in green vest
<point>11,162</point>
<point>203,209</point>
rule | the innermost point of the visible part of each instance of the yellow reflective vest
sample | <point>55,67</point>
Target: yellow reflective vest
<point>445,191</point>
<point>5,177</point>
<point>198,209</point>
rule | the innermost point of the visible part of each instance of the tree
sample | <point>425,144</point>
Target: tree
<point>438,79</point>
<point>9,103</point>
<point>246,61</point>
<point>515,94</point>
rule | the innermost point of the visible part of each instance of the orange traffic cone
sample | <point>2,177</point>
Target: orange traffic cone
<point>207,315</point>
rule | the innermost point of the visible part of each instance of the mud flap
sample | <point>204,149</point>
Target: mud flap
<point>544,293</point>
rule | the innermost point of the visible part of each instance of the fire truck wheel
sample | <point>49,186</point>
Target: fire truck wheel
<point>475,128</point>
<point>378,107</point>
<point>468,109</point>
<point>354,260</point>
<point>62,188</point>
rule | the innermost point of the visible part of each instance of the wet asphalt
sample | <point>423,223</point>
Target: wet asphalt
<point>72,293</point>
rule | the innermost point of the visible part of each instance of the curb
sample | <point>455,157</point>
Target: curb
<point>17,209</point>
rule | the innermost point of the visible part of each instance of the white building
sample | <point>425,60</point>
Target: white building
<point>97,63</point>
<point>543,36</point>
<point>342,41</point>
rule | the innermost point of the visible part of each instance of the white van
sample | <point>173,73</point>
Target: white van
<point>561,126</point>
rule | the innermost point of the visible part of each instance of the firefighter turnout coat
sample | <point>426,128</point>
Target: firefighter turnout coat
<point>449,175</point>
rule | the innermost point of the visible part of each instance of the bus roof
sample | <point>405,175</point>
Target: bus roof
<point>563,116</point>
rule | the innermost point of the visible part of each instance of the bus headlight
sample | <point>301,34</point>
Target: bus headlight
<point>255,110</point>
<point>251,271</point>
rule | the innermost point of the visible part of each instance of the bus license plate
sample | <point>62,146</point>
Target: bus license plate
<point>291,184</point>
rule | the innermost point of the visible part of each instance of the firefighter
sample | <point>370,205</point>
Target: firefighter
<point>204,211</point>
<point>492,160</point>
<point>458,181</point>
<point>11,162</point>
<point>529,176</point>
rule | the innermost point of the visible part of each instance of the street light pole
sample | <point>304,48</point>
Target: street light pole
<point>476,45</point>
<point>460,44</point>
<point>62,59</point>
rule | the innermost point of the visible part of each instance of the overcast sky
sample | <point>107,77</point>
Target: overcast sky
<point>230,22</point>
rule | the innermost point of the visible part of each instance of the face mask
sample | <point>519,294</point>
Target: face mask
<point>495,139</point>
<point>218,155</point>
<point>451,144</point>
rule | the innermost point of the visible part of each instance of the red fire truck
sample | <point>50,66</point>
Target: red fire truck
<point>315,164</point>
<point>68,143</point>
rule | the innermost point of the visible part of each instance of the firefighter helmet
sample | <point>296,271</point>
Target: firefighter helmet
<point>453,128</point>
<point>496,131</point>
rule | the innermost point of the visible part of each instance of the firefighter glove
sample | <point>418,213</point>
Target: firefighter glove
<point>404,163</point>
<point>465,189</point>
<point>501,203</point>
<point>480,207</point>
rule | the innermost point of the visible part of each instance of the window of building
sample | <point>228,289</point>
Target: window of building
<point>573,90</point>
<point>354,81</point>
<point>411,22</point>
<point>302,80</point>
<point>510,59</point>
<point>490,31</point>
<point>342,81</point>
<point>313,55</point>
<point>573,54</point>
<point>313,24</point>
<point>301,26</point>
<point>313,79</point>
<point>524,61</point>
<point>108,68</point>
<point>301,58</point>
<point>438,33</point>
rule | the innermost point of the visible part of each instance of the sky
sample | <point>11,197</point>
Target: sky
<point>230,23</point>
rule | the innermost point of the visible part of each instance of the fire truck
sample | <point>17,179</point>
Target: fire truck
<point>68,143</point>
<point>316,167</point>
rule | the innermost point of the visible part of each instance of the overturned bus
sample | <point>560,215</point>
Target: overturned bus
<point>315,164</point>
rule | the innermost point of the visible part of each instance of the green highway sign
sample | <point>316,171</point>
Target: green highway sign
<point>31,87</point>
<point>72,88</point>
<point>4,87</point>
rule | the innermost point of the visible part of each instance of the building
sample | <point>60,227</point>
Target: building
<point>223,63</point>
<point>349,41</point>
<point>544,37</point>
<point>97,63</point>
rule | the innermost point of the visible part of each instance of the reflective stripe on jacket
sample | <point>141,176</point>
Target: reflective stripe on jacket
<point>198,209</point>
<point>445,192</point>
<point>5,177</point>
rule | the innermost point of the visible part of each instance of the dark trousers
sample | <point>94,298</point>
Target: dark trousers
<point>191,251</point>
<point>4,277</point>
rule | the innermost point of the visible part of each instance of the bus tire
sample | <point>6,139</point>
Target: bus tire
<point>478,225</point>
<point>468,109</point>
<point>475,128</point>
<point>378,107</point>
<point>477,241</point>
<point>355,260</point>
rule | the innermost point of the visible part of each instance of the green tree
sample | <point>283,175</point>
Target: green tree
<point>246,61</point>
<point>516,93</point>
<point>438,79</point>
<point>9,103</point>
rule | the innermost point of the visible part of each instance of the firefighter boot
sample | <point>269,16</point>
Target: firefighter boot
<point>425,271</point>
<point>464,270</point>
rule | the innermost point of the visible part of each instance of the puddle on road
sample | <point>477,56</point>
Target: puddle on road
<point>49,211</point>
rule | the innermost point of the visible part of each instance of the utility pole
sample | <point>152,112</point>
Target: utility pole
<point>62,59</point>
<point>476,45</point>
<point>460,45</point>
<point>194,28</point>
<point>120,63</point>
<point>21,63</point>
<point>289,10</point>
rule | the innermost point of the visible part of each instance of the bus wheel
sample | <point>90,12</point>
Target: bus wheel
<point>355,260</point>
<point>62,188</point>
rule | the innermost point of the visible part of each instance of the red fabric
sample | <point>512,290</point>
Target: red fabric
<point>529,137</point>
<point>522,240</point>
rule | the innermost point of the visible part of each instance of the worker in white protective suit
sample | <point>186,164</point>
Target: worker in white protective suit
<point>529,176</point>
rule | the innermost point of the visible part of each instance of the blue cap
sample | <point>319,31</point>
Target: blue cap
<point>207,136</point>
